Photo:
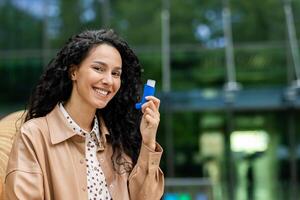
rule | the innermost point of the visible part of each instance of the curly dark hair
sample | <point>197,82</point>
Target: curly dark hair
<point>120,115</point>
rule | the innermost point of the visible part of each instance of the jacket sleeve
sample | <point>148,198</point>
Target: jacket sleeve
<point>146,181</point>
<point>23,178</point>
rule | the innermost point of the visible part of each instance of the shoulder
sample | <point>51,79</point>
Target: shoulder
<point>34,124</point>
<point>34,127</point>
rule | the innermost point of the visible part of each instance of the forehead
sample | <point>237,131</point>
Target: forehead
<point>104,53</point>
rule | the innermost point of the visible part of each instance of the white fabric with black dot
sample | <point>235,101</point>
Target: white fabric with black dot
<point>96,183</point>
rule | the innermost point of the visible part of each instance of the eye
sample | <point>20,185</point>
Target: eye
<point>98,68</point>
<point>116,73</point>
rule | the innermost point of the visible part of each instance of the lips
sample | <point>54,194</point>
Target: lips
<point>102,92</point>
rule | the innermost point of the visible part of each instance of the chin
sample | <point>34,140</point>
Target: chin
<point>100,105</point>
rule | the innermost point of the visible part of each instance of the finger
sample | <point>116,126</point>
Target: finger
<point>145,105</point>
<point>152,114</point>
<point>155,100</point>
<point>150,104</point>
<point>149,112</point>
<point>151,120</point>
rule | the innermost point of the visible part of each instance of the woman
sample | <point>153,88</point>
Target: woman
<point>83,138</point>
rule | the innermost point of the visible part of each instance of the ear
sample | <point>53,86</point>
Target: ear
<point>73,72</point>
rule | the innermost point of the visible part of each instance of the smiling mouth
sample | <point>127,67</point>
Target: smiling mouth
<point>101,92</point>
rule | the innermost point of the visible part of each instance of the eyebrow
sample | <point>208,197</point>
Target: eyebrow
<point>103,63</point>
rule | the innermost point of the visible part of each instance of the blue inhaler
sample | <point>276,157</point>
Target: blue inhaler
<point>149,90</point>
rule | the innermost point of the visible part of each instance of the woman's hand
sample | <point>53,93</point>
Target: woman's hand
<point>150,121</point>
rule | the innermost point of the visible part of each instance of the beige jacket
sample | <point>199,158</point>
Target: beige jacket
<point>47,161</point>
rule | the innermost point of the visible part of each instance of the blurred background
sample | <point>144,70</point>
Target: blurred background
<point>227,72</point>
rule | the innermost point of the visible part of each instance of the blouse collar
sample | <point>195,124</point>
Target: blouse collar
<point>76,128</point>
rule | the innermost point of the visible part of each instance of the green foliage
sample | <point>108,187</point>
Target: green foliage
<point>184,17</point>
<point>18,77</point>
<point>138,21</point>
<point>258,20</point>
<point>69,16</point>
<point>19,30</point>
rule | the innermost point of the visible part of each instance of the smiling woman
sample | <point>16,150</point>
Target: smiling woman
<point>82,137</point>
<point>96,79</point>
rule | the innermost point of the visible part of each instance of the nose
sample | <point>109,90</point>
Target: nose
<point>107,79</point>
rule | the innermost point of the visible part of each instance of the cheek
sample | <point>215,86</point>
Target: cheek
<point>118,85</point>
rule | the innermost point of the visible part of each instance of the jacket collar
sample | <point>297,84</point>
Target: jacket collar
<point>60,130</point>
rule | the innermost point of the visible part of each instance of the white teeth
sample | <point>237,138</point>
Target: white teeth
<point>103,92</point>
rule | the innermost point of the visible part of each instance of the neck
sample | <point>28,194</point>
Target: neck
<point>83,115</point>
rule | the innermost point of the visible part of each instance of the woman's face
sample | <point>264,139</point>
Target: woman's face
<point>98,78</point>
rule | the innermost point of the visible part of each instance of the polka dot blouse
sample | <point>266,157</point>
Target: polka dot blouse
<point>96,183</point>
